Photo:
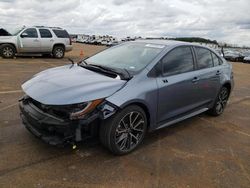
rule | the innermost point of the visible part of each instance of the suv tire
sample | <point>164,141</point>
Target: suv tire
<point>58,52</point>
<point>125,131</point>
<point>220,102</point>
<point>7,51</point>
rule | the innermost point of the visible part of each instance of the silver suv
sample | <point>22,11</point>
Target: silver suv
<point>36,40</point>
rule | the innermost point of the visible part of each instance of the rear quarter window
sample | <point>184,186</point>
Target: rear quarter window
<point>216,59</point>
<point>61,33</point>
<point>204,58</point>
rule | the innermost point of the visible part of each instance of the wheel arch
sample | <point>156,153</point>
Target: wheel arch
<point>228,86</point>
<point>141,104</point>
<point>12,44</point>
<point>59,44</point>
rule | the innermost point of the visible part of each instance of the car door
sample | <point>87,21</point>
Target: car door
<point>47,40</point>
<point>177,86</point>
<point>29,41</point>
<point>208,76</point>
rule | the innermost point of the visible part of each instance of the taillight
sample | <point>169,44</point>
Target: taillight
<point>70,41</point>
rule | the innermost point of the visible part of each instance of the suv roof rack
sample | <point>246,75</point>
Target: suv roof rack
<point>41,26</point>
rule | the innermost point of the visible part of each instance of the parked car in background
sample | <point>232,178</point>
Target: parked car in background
<point>36,40</point>
<point>124,91</point>
<point>106,42</point>
<point>247,57</point>
<point>233,56</point>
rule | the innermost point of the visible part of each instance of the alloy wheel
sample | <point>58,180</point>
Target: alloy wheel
<point>130,131</point>
<point>59,52</point>
<point>222,101</point>
<point>8,52</point>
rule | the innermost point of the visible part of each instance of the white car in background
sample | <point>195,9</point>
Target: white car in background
<point>247,57</point>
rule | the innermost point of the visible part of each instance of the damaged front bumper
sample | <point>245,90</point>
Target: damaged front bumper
<point>59,131</point>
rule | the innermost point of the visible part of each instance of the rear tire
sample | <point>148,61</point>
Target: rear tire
<point>220,103</point>
<point>58,52</point>
<point>125,131</point>
<point>7,51</point>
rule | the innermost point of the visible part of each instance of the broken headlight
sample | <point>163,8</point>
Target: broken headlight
<point>80,110</point>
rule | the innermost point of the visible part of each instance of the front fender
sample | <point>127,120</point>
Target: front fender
<point>134,93</point>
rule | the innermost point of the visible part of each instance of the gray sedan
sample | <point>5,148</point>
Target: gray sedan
<point>125,91</point>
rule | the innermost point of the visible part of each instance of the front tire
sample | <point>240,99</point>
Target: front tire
<point>7,51</point>
<point>58,52</point>
<point>220,103</point>
<point>125,131</point>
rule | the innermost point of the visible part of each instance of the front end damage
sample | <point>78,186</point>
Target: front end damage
<point>53,125</point>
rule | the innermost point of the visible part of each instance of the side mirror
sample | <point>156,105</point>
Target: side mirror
<point>24,35</point>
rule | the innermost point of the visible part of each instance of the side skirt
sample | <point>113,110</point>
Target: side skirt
<point>182,118</point>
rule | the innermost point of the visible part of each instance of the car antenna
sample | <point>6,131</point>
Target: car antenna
<point>72,62</point>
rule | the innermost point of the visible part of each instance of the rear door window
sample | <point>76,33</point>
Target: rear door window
<point>179,60</point>
<point>204,58</point>
<point>61,33</point>
<point>216,59</point>
<point>45,33</point>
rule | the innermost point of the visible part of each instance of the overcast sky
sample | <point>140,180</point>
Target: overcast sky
<point>222,20</point>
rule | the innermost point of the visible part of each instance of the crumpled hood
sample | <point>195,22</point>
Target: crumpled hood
<point>65,85</point>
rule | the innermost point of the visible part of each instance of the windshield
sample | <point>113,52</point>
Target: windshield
<point>130,56</point>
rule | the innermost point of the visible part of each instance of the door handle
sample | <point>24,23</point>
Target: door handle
<point>218,72</point>
<point>165,81</point>
<point>195,79</point>
<point>36,40</point>
<point>51,40</point>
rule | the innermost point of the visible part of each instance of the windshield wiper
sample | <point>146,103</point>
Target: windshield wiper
<point>124,73</point>
<point>128,73</point>
<point>99,69</point>
<point>105,68</point>
<point>78,63</point>
<point>83,61</point>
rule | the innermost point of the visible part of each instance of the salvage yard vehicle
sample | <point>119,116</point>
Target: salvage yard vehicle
<point>247,57</point>
<point>36,40</point>
<point>123,92</point>
<point>234,56</point>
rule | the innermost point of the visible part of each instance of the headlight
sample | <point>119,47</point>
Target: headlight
<point>82,109</point>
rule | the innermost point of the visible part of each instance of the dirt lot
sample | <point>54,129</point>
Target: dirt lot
<point>200,152</point>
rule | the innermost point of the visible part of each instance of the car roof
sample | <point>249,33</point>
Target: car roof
<point>45,27</point>
<point>170,43</point>
<point>164,42</point>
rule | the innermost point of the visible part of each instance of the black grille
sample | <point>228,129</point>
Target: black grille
<point>58,111</point>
